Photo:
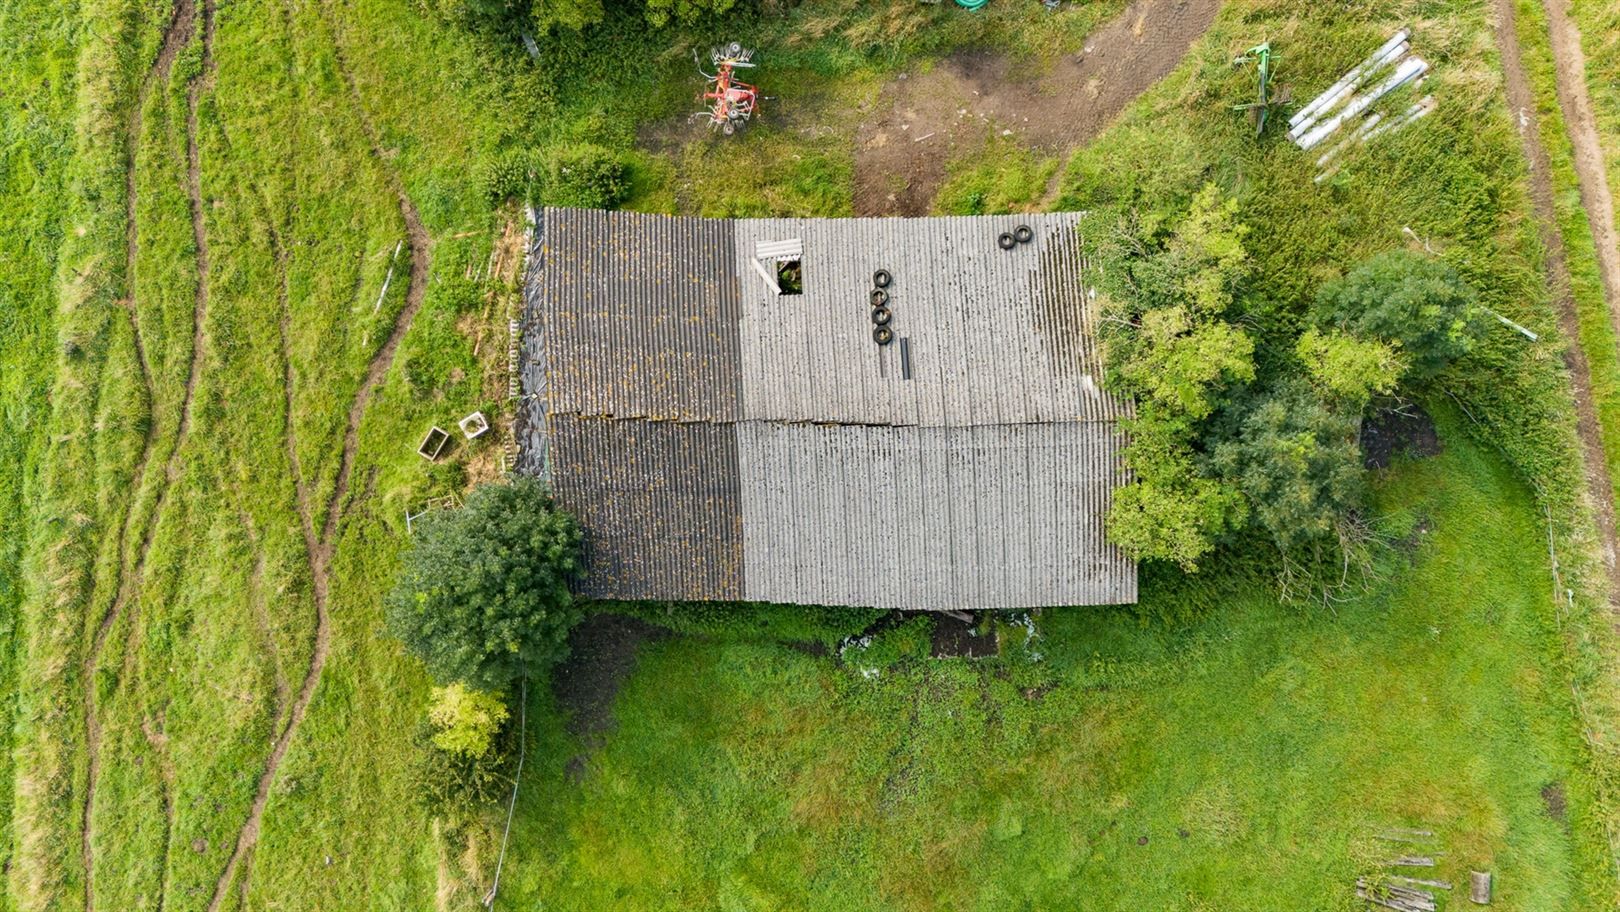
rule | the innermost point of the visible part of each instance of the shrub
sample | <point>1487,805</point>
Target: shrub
<point>451,781</point>
<point>465,721</point>
<point>1402,297</point>
<point>1348,369</point>
<point>586,176</point>
<point>482,596</point>
<point>1167,344</point>
<point>1297,461</point>
<point>509,177</point>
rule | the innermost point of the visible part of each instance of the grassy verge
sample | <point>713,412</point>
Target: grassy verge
<point>36,85</point>
<point>1244,760</point>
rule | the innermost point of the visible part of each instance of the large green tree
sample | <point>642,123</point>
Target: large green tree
<point>1168,346</point>
<point>1297,459</point>
<point>1416,302</point>
<point>483,595</point>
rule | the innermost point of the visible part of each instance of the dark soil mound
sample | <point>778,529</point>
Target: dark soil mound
<point>1407,431</point>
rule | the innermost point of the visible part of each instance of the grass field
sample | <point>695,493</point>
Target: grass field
<point>213,407</point>
<point>1256,750</point>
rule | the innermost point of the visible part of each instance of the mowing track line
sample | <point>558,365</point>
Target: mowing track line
<point>326,542</point>
<point>175,36</point>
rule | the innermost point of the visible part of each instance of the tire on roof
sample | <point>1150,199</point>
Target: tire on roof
<point>1023,234</point>
<point>882,315</point>
<point>1006,241</point>
<point>881,278</point>
<point>882,335</point>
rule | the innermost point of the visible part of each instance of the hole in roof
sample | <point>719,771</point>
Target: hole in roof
<point>790,277</point>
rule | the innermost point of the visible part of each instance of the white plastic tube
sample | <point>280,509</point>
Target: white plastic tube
<point>1408,70</point>
<point>1373,68</point>
<point>1415,112</point>
<point>1357,72</point>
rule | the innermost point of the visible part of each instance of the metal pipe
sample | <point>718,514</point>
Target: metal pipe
<point>1408,70</point>
<point>1361,129</point>
<point>1422,109</point>
<point>1358,72</point>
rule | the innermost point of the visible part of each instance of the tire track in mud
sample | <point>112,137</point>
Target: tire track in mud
<point>175,36</point>
<point>154,727</point>
<point>325,540</point>
<point>1521,103</point>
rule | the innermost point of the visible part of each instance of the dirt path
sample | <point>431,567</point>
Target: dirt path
<point>175,36</point>
<point>1590,167</point>
<point>325,545</point>
<point>1522,103</point>
<point>949,112</point>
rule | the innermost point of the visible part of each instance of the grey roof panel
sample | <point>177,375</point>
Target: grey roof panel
<point>659,504</point>
<point>640,315</point>
<point>850,549</point>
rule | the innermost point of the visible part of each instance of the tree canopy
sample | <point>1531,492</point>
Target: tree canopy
<point>483,595</point>
<point>1416,302</point>
<point>1167,345</point>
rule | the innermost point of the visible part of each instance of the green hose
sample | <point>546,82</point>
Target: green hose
<point>971,4</point>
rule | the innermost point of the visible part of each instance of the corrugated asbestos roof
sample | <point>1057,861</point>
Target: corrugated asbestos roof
<point>991,516</point>
<point>717,441</point>
<point>996,336</point>
<point>640,315</point>
<point>659,500</point>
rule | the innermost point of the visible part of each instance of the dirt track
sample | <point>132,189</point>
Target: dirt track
<point>1590,167</point>
<point>1522,103</point>
<point>952,110</point>
<point>175,36</point>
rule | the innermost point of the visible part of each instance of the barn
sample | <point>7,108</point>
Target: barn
<point>897,413</point>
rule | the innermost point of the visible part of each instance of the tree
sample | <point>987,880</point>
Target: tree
<point>482,596</point>
<point>1348,369</point>
<point>1170,511</point>
<point>1167,345</point>
<point>466,721</point>
<point>1400,297</point>
<point>1298,462</point>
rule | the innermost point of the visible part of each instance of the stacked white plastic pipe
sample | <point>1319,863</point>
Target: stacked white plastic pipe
<point>1393,49</point>
<point>1406,71</point>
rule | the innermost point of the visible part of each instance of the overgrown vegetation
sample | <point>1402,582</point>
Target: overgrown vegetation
<point>483,594</point>
<point>743,774</point>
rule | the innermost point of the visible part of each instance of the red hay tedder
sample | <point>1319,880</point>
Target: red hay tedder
<point>730,103</point>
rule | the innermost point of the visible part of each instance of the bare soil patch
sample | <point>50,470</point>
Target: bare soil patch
<point>601,655</point>
<point>901,152</point>
<point>1404,431</point>
<point>1552,795</point>
<point>953,639</point>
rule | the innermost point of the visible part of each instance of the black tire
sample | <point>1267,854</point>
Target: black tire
<point>882,315</point>
<point>882,335</point>
<point>1023,234</point>
<point>1006,241</point>
<point>881,278</point>
<point>879,297</point>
